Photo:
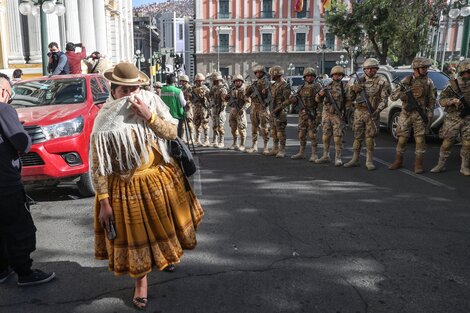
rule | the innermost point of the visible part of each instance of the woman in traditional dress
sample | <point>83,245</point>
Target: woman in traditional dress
<point>140,190</point>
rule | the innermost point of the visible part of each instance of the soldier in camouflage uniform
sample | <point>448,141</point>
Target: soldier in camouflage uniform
<point>201,107</point>
<point>280,91</point>
<point>217,95</point>
<point>423,90</point>
<point>332,120</point>
<point>259,115</point>
<point>188,108</point>
<point>456,122</point>
<point>238,103</point>
<point>309,114</point>
<point>366,124</point>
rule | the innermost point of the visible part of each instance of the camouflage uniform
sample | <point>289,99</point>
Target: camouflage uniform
<point>332,121</point>
<point>366,125</point>
<point>259,114</point>
<point>280,91</point>
<point>423,90</point>
<point>309,116</point>
<point>238,103</point>
<point>188,109</point>
<point>218,94</point>
<point>454,124</point>
<point>200,101</point>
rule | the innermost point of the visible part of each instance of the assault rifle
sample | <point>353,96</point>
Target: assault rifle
<point>202,101</point>
<point>364,96</point>
<point>412,104</point>
<point>233,102</point>
<point>466,105</point>
<point>300,101</point>
<point>330,98</point>
<point>256,92</point>
<point>269,97</point>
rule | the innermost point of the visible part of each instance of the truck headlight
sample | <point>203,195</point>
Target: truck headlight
<point>64,129</point>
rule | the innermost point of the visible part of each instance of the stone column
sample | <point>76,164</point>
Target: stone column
<point>15,39</point>
<point>53,31</point>
<point>34,30</point>
<point>72,22</point>
<point>87,24</point>
<point>100,26</point>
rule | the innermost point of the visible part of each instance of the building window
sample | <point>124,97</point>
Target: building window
<point>267,9</point>
<point>180,30</point>
<point>224,6</point>
<point>224,43</point>
<point>303,13</point>
<point>266,43</point>
<point>300,42</point>
<point>330,41</point>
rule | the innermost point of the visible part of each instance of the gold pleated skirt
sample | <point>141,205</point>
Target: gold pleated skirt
<point>155,219</point>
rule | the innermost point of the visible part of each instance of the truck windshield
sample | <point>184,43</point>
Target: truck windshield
<point>49,92</point>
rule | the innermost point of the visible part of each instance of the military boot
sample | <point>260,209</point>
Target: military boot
<point>354,161</point>
<point>441,164</point>
<point>300,154</point>
<point>206,138</point>
<point>214,140</point>
<point>234,145</point>
<point>370,144</point>
<point>464,168</point>
<point>265,147</point>
<point>338,161</point>
<point>197,141</point>
<point>274,150</point>
<point>282,151</point>
<point>314,156</point>
<point>241,147</point>
<point>254,147</point>
<point>326,151</point>
<point>419,163</point>
<point>398,163</point>
<point>221,141</point>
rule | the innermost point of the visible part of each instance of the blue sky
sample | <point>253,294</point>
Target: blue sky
<point>136,3</point>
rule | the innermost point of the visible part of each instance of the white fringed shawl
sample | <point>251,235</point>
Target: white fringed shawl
<point>117,125</point>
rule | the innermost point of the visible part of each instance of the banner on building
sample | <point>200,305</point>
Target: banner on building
<point>299,6</point>
<point>326,5</point>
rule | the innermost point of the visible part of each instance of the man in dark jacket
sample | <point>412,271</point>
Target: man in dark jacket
<point>75,58</point>
<point>58,62</point>
<point>17,230</point>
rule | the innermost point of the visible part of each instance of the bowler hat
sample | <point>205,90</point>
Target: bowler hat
<point>126,74</point>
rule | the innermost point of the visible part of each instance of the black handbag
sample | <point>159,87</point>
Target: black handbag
<point>180,152</point>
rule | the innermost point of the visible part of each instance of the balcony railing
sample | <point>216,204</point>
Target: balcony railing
<point>224,15</point>
<point>266,14</point>
<point>223,49</point>
<point>266,48</point>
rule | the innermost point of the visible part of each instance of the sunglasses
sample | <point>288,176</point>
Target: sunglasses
<point>9,95</point>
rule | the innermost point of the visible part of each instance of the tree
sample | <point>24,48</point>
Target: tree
<point>391,29</point>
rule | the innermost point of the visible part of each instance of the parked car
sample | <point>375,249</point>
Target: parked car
<point>389,116</point>
<point>58,113</point>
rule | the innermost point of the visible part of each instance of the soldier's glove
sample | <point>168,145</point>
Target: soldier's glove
<point>456,103</point>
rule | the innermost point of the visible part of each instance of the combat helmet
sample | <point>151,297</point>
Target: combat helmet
<point>276,71</point>
<point>258,68</point>
<point>310,71</point>
<point>238,77</point>
<point>216,76</point>
<point>371,63</point>
<point>420,62</point>
<point>337,70</point>
<point>184,78</point>
<point>199,76</point>
<point>463,66</point>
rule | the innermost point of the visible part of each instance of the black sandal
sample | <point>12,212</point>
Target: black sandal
<point>139,302</point>
<point>170,268</point>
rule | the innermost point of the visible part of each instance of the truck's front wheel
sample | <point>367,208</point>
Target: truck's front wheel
<point>85,185</point>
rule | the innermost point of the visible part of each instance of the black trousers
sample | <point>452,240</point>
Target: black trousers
<point>180,128</point>
<point>17,233</point>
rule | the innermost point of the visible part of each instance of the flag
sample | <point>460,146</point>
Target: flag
<point>299,6</point>
<point>326,5</point>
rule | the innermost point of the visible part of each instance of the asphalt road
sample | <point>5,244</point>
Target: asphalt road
<point>279,236</point>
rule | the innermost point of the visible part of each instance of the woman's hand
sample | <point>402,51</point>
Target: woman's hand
<point>106,216</point>
<point>139,107</point>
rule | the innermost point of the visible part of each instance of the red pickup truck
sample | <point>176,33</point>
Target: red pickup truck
<point>58,112</point>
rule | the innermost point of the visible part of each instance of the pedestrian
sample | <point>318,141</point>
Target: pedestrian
<point>17,75</point>
<point>217,95</point>
<point>173,97</point>
<point>259,92</point>
<point>309,114</point>
<point>280,91</point>
<point>238,103</point>
<point>416,115</point>
<point>75,58</point>
<point>158,88</point>
<point>335,101</point>
<point>17,230</point>
<point>370,92</point>
<point>58,62</point>
<point>144,215</point>
<point>201,107</point>
<point>457,119</point>
<point>186,88</point>
<point>96,63</point>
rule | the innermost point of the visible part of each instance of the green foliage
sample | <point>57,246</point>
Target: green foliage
<point>389,29</point>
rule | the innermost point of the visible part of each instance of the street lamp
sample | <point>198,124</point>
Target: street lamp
<point>42,7</point>
<point>291,69</point>
<point>217,29</point>
<point>151,27</point>
<point>139,57</point>
<point>462,8</point>
<point>342,61</point>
